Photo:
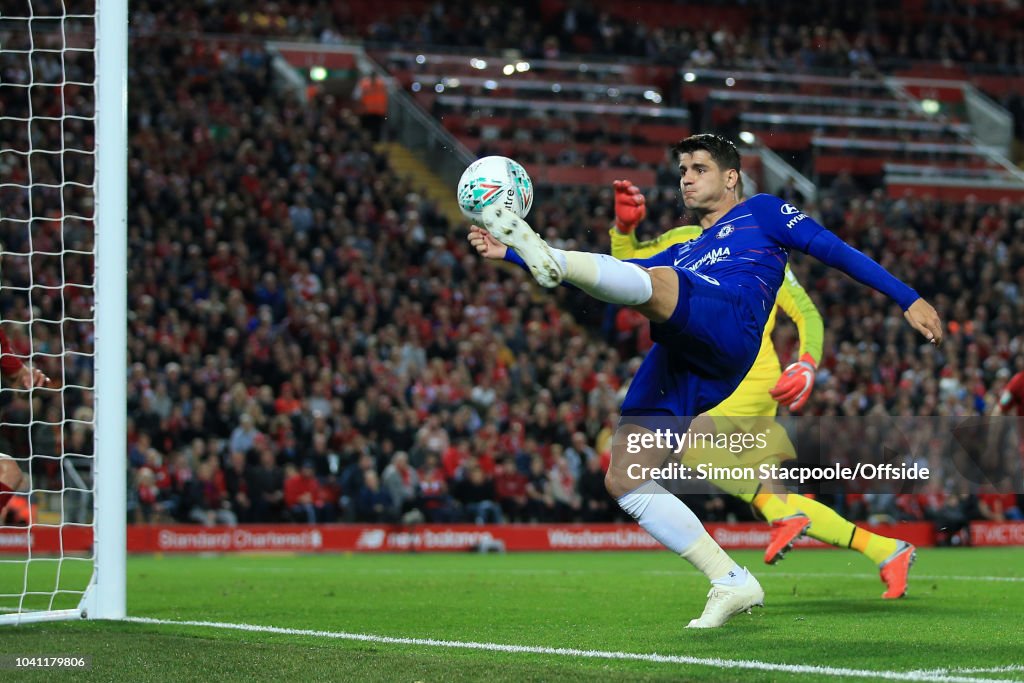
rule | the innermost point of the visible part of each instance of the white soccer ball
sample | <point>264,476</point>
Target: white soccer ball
<point>495,180</point>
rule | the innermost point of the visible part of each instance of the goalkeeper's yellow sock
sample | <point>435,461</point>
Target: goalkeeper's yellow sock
<point>771,506</point>
<point>830,527</point>
<point>878,548</point>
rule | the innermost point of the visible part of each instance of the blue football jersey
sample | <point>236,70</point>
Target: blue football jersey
<point>747,248</point>
<point>702,355</point>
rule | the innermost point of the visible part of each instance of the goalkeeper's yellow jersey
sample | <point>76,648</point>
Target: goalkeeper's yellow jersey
<point>751,397</point>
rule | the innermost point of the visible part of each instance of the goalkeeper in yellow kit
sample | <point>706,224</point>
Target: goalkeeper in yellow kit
<point>756,401</point>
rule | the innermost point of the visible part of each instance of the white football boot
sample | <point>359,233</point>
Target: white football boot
<point>515,233</point>
<point>726,601</point>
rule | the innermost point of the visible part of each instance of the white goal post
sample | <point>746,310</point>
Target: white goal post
<point>63,300</point>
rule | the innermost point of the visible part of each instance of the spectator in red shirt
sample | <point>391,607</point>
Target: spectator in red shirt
<point>287,403</point>
<point>437,504</point>
<point>454,458</point>
<point>303,497</point>
<point>999,507</point>
<point>510,489</point>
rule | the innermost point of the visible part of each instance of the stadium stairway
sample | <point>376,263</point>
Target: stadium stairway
<point>405,163</point>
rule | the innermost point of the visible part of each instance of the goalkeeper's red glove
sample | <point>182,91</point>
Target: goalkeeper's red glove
<point>630,206</point>
<point>794,387</point>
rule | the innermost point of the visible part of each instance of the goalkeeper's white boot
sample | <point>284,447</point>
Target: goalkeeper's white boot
<point>515,233</point>
<point>726,601</point>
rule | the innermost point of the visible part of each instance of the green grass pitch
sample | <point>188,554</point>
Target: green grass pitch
<point>962,619</point>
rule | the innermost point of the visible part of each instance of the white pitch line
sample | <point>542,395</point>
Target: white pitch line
<point>768,573</point>
<point>1009,668</point>
<point>761,574</point>
<point>913,576</point>
<point>837,672</point>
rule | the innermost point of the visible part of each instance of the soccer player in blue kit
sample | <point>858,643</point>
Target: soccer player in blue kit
<point>708,300</point>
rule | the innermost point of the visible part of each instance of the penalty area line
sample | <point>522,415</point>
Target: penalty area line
<point>829,671</point>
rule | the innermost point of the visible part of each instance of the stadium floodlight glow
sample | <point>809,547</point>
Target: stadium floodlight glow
<point>930,106</point>
<point>614,92</point>
<point>653,96</point>
<point>730,81</point>
<point>689,77</point>
<point>452,82</point>
<point>478,63</point>
<point>522,67</point>
<point>490,85</point>
<point>317,73</point>
<point>747,137</point>
<point>584,68</point>
<point>421,59</point>
<point>416,87</point>
<point>556,87</point>
<point>439,88</point>
<point>509,69</point>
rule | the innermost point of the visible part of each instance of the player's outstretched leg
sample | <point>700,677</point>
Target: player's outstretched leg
<point>514,232</point>
<point>599,275</point>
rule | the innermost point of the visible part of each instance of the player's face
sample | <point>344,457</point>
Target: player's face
<point>703,183</point>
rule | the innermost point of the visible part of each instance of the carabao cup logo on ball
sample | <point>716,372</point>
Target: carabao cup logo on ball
<point>492,180</point>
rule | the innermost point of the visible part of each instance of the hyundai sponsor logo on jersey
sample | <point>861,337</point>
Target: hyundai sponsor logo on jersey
<point>795,219</point>
<point>790,210</point>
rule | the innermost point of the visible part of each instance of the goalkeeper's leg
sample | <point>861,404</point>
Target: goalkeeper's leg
<point>792,515</point>
<point>778,505</point>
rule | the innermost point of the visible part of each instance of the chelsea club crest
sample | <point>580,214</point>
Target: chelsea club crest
<point>725,231</point>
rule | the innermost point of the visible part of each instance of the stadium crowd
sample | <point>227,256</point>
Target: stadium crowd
<point>311,340</point>
<point>786,35</point>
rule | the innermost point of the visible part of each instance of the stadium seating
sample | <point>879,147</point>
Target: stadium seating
<point>282,269</point>
<point>569,123</point>
<point>867,127</point>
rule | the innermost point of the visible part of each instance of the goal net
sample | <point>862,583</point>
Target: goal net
<point>62,294</point>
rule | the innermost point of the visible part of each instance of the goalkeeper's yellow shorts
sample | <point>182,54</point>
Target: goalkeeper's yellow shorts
<point>751,398</point>
<point>750,410</point>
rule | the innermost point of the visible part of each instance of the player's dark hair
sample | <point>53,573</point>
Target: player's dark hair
<point>722,150</point>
